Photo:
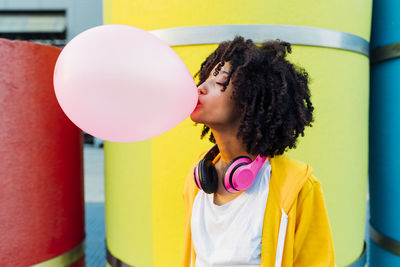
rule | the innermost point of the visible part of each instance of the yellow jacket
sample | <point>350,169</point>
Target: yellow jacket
<point>296,229</point>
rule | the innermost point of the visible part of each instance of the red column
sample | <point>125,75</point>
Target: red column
<point>41,160</point>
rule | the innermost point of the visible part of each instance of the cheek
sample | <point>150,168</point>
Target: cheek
<point>218,106</point>
<point>225,111</point>
<point>232,111</point>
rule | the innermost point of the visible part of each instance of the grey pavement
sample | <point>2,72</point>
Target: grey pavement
<point>95,249</point>
<point>94,173</point>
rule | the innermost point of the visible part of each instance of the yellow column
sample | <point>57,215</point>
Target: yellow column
<point>144,181</point>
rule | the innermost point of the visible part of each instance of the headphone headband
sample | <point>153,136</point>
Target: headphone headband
<point>212,153</point>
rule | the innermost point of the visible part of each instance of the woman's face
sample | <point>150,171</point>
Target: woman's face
<point>215,108</point>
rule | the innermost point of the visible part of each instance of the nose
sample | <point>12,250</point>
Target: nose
<point>201,90</point>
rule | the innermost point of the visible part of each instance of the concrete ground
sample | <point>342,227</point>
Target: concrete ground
<point>94,173</point>
<point>94,206</point>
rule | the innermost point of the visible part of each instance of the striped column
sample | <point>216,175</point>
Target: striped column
<point>384,169</point>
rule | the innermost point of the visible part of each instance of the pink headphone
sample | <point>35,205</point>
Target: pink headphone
<point>238,175</point>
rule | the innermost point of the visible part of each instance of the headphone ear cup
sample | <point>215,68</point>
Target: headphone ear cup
<point>208,178</point>
<point>196,176</point>
<point>229,172</point>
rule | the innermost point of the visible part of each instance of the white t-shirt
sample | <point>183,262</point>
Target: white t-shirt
<point>230,234</point>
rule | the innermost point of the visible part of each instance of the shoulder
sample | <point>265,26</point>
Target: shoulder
<point>310,186</point>
<point>292,179</point>
<point>306,173</point>
<point>289,162</point>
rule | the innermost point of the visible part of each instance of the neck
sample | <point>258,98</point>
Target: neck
<point>230,146</point>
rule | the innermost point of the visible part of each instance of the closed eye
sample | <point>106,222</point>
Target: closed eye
<point>223,86</point>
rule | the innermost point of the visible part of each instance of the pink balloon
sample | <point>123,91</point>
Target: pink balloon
<point>122,84</point>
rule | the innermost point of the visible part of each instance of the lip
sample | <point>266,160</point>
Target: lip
<point>198,105</point>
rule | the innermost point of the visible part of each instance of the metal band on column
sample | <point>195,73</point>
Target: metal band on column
<point>362,260</point>
<point>114,261</point>
<point>387,52</point>
<point>66,259</point>
<point>297,35</point>
<point>384,241</point>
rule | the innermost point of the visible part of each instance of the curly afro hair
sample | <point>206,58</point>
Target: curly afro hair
<point>271,92</point>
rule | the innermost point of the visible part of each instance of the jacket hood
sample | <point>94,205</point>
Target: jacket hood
<point>292,175</point>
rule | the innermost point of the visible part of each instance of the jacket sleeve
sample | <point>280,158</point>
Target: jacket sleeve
<point>313,245</point>
<point>189,193</point>
<point>187,197</point>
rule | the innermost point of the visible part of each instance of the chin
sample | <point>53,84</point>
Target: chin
<point>194,118</point>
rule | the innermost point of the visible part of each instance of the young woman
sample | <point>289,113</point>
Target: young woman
<point>248,203</point>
